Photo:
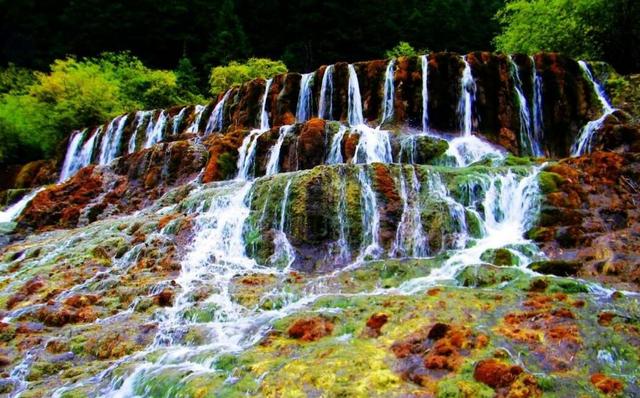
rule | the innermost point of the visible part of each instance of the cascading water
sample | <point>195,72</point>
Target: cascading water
<point>264,115</point>
<point>155,130</point>
<point>142,117</point>
<point>370,218</point>
<point>527,138</point>
<point>354,115</point>
<point>111,140</point>
<point>194,127</point>
<point>335,151</point>
<point>216,120</point>
<point>389,93</point>
<point>410,239</point>
<point>273,165</point>
<point>424,60</point>
<point>538,119</point>
<point>325,110</point>
<point>304,108</point>
<point>373,146</point>
<point>177,120</point>
<point>585,137</point>
<point>283,254</point>
<point>246,154</point>
<point>70,166</point>
<point>467,98</point>
<point>13,212</point>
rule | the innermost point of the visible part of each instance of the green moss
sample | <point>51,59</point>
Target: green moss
<point>549,182</point>
<point>488,275</point>
<point>502,257</point>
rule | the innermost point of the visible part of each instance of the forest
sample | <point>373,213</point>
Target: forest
<point>67,64</point>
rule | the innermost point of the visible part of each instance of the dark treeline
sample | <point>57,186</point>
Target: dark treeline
<point>303,33</point>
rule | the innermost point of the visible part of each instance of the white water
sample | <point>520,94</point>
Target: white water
<point>389,93</point>
<point>195,124</point>
<point>13,212</point>
<point>425,93</point>
<point>246,154</point>
<point>177,120</point>
<point>374,145</point>
<point>469,149</point>
<point>111,140</point>
<point>527,139</point>
<point>370,218</point>
<point>284,254</point>
<point>155,130</point>
<point>70,166</point>
<point>326,94</point>
<point>304,108</point>
<point>410,238</point>
<point>141,118</point>
<point>467,97</point>
<point>585,137</point>
<point>538,118</point>
<point>354,115</point>
<point>216,120</point>
<point>273,165</point>
<point>335,151</point>
<point>264,115</point>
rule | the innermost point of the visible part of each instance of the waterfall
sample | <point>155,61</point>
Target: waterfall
<point>13,212</point>
<point>216,120</point>
<point>389,93</point>
<point>585,137</point>
<point>195,124</point>
<point>70,166</point>
<point>354,116</point>
<point>326,94</point>
<point>457,211</point>
<point>273,165</point>
<point>526,134</point>
<point>410,239</point>
<point>425,93</point>
<point>177,120</point>
<point>469,149</point>
<point>283,250</point>
<point>538,120</point>
<point>141,117</point>
<point>264,115</point>
<point>246,154</point>
<point>155,130</point>
<point>344,253</point>
<point>467,98</point>
<point>304,109</point>
<point>111,140</point>
<point>374,145</point>
<point>335,151</point>
<point>370,218</point>
<point>86,153</point>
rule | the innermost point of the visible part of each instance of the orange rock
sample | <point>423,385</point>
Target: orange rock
<point>376,322</point>
<point>496,374</point>
<point>310,329</point>
<point>606,384</point>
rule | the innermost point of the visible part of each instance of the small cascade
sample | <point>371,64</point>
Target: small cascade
<point>425,92</point>
<point>469,149</point>
<point>273,165</point>
<point>335,151</point>
<point>264,115</point>
<point>527,139</point>
<point>155,130</point>
<point>370,218</point>
<point>195,125</point>
<point>85,156</point>
<point>216,120</point>
<point>246,154</point>
<point>111,140</point>
<point>538,119</point>
<point>467,98</point>
<point>585,137</point>
<point>177,121</point>
<point>373,146</point>
<point>410,240</point>
<point>354,115</point>
<point>70,166</point>
<point>389,93</point>
<point>304,108</point>
<point>343,255</point>
<point>457,211</point>
<point>13,212</point>
<point>141,118</point>
<point>283,255</point>
<point>326,94</point>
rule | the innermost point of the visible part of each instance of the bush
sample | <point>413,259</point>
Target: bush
<point>235,73</point>
<point>402,49</point>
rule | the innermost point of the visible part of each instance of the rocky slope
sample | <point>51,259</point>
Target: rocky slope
<point>414,228</point>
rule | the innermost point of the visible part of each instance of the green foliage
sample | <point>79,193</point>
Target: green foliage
<point>37,112</point>
<point>236,73</point>
<point>574,27</point>
<point>402,49</point>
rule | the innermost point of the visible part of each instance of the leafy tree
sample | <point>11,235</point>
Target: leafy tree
<point>187,77</point>
<point>14,79</point>
<point>236,73</point>
<point>402,49</point>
